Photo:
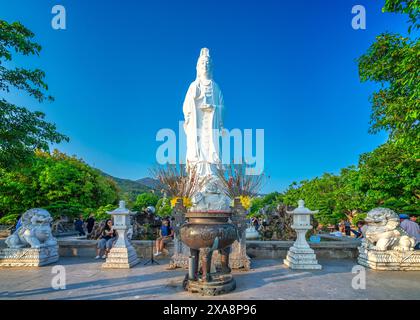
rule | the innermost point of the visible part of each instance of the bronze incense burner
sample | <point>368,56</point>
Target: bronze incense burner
<point>204,233</point>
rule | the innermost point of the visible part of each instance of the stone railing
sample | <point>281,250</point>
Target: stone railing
<point>323,250</point>
<point>255,249</point>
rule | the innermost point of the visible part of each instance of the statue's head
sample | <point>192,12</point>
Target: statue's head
<point>36,216</point>
<point>204,65</point>
<point>381,216</point>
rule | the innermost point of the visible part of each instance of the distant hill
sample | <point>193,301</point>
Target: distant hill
<point>132,188</point>
<point>149,182</point>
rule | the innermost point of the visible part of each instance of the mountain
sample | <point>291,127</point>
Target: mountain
<point>149,182</point>
<point>132,188</point>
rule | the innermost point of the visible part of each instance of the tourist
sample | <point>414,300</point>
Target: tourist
<point>341,227</point>
<point>108,237</point>
<point>255,223</point>
<point>78,226</point>
<point>90,222</point>
<point>412,228</point>
<point>165,235</point>
<point>358,233</point>
<point>413,218</point>
<point>337,232</point>
<point>347,227</point>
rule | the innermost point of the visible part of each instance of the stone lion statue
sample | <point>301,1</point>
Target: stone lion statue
<point>383,232</point>
<point>35,231</point>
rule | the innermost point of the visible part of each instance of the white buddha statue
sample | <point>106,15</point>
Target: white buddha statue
<point>203,106</point>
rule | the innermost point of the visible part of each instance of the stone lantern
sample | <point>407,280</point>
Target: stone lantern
<point>122,254</point>
<point>300,255</point>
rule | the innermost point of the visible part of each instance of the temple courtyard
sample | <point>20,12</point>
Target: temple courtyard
<point>268,279</point>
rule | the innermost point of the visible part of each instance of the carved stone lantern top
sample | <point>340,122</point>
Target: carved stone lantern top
<point>121,210</point>
<point>301,209</point>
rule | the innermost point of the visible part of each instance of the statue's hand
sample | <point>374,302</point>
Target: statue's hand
<point>207,107</point>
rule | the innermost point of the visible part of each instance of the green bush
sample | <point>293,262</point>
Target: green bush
<point>358,217</point>
<point>10,219</point>
<point>101,212</point>
<point>145,200</point>
<point>61,184</point>
<point>163,207</point>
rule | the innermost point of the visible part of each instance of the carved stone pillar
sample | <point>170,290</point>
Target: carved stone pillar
<point>181,251</point>
<point>238,259</point>
<point>122,255</point>
<point>301,256</point>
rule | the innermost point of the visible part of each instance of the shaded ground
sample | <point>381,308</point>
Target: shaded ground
<point>269,279</point>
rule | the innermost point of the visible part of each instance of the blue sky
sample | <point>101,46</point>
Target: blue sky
<point>120,71</point>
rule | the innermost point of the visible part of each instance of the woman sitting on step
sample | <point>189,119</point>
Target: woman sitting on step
<point>108,237</point>
<point>165,235</point>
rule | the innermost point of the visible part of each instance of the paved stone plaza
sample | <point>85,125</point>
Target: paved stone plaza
<point>268,279</point>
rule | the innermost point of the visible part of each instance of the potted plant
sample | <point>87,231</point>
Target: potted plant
<point>240,186</point>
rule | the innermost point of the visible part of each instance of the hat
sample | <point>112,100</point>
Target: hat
<point>404,216</point>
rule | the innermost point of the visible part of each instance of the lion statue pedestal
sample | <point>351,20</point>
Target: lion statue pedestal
<point>32,245</point>
<point>386,246</point>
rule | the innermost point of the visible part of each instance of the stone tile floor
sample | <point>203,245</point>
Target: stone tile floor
<point>268,279</point>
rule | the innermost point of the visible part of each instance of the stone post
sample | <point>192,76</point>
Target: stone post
<point>181,251</point>
<point>122,254</point>
<point>238,258</point>
<point>300,256</point>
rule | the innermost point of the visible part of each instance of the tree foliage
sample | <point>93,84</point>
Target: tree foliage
<point>61,184</point>
<point>22,131</point>
<point>145,200</point>
<point>388,176</point>
<point>394,62</point>
<point>163,207</point>
<point>410,7</point>
<point>335,196</point>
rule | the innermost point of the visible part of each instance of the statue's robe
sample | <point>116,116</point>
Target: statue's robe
<point>203,128</point>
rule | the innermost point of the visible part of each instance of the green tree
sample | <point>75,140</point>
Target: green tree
<point>390,177</point>
<point>410,7</point>
<point>22,131</point>
<point>61,184</point>
<point>393,61</point>
<point>163,207</point>
<point>145,200</point>
<point>335,196</point>
<point>270,200</point>
<point>101,212</point>
<point>319,194</point>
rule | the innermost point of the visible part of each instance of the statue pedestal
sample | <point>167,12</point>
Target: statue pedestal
<point>28,257</point>
<point>302,259</point>
<point>220,284</point>
<point>390,260</point>
<point>121,258</point>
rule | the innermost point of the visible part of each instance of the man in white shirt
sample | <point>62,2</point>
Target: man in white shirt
<point>412,228</point>
<point>337,232</point>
